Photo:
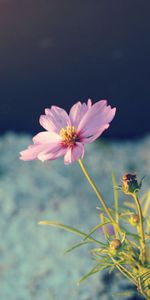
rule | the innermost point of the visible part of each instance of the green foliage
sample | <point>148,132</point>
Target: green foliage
<point>127,249</point>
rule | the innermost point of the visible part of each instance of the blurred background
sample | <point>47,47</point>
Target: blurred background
<point>56,52</point>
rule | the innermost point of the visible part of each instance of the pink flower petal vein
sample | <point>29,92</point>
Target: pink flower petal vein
<point>65,134</point>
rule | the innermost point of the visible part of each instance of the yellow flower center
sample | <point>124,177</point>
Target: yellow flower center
<point>68,135</point>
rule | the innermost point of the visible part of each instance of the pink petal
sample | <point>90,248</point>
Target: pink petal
<point>89,103</point>
<point>37,151</point>
<point>95,109</point>
<point>31,152</point>
<point>61,117</point>
<point>55,153</point>
<point>91,138</point>
<point>48,123</point>
<point>55,119</point>
<point>98,116</point>
<point>108,114</point>
<point>74,153</point>
<point>46,137</point>
<point>77,112</point>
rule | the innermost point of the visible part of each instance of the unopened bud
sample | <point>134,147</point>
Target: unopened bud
<point>134,219</point>
<point>130,183</point>
<point>115,244</point>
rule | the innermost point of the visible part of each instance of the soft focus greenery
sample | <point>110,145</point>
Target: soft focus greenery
<point>126,247</point>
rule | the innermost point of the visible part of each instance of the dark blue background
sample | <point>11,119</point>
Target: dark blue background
<point>57,52</point>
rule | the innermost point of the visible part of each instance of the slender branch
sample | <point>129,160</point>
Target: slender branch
<point>141,228</point>
<point>123,270</point>
<point>97,192</point>
<point>115,204</point>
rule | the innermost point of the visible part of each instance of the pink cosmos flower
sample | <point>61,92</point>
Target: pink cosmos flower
<point>65,134</point>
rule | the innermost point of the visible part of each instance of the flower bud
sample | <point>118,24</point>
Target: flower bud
<point>134,220</point>
<point>130,183</point>
<point>115,244</point>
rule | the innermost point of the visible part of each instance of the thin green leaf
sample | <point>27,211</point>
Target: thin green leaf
<point>147,287</point>
<point>134,244</point>
<point>68,228</point>
<point>129,204</point>
<point>103,210</point>
<point>148,224</point>
<point>98,249</point>
<point>93,271</point>
<point>123,294</point>
<point>102,218</point>
<point>123,270</point>
<point>133,235</point>
<point>145,276</point>
<point>96,228</point>
<point>126,214</point>
<point>143,197</point>
<point>130,233</point>
<point>122,208</point>
<point>146,205</point>
<point>115,196</point>
<point>77,245</point>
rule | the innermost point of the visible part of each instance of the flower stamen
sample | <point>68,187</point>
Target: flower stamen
<point>69,135</point>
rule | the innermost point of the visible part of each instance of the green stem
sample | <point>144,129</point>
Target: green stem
<point>141,228</point>
<point>97,192</point>
<point>141,290</point>
<point>123,270</point>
